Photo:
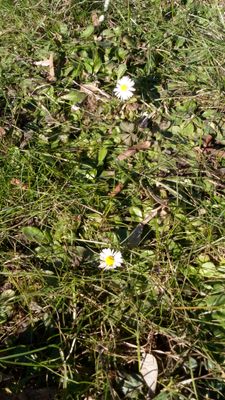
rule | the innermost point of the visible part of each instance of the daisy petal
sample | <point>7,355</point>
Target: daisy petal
<point>124,88</point>
<point>110,259</point>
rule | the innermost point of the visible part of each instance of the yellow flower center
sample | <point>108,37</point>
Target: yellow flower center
<point>123,87</point>
<point>109,260</point>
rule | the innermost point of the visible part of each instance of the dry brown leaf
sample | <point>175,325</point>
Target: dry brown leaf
<point>91,103</point>
<point>17,182</point>
<point>48,62</point>
<point>26,139</point>
<point>117,189</point>
<point>131,106</point>
<point>207,140</point>
<point>142,146</point>
<point>42,63</point>
<point>149,371</point>
<point>95,19</point>
<point>92,88</point>
<point>215,152</point>
<point>132,150</point>
<point>51,75</point>
<point>151,215</point>
<point>2,132</point>
<point>127,153</point>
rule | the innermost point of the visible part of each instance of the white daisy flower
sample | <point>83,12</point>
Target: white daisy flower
<point>124,88</point>
<point>110,259</point>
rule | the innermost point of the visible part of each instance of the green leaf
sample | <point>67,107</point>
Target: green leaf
<point>88,66</point>
<point>87,32</point>
<point>127,127</point>
<point>7,294</point>
<point>36,235</point>
<point>208,270</point>
<point>136,214</point>
<point>63,28</point>
<point>108,33</point>
<point>122,53</point>
<point>75,96</point>
<point>189,129</point>
<point>97,63</point>
<point>135,211</point>
<point>209,114</point>
<point>179,42</point>
<point>203,258</point>
<point>219,316</point>
<point>131,384</point>
<point>121,70</point>
<point>102,153</point>
<point>63,229</point>
<point>163,396</point>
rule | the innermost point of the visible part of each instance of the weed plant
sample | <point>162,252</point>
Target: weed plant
<point>68,329</point>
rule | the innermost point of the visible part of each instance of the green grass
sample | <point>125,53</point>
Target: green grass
<point>67,326</point>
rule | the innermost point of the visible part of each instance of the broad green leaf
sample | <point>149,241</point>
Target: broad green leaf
<point>188,129</point>
<point>108,33</point>
<point>215,300</point>
<point>208,270</point>
<point>136,212</point>
<point>130,384</point>
<point>7,294</point>
<point>91,174</point>
<point>175,129</point>
<point>63,229</point>
<point>97,64</point>
<point>163,396</point>
<point>219,316</point>
<point>87,32</point>
<point>127,127</point>
<point>88,66</point>
<point>209,114</point>
<point>179,42</point>
<point>75,96</point>
<point>122,53</point>
<point>102,153</point>
<point>203,258</point>
<point>63,28</point>
<point>35,234</point>
<point>121,70</point>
